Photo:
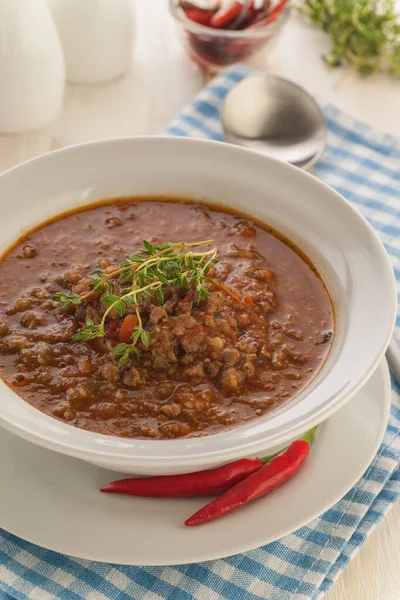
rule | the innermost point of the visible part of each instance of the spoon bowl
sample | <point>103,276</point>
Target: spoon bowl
<point>277,117</point>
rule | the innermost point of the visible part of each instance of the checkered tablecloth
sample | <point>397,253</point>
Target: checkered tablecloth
<point>364,166</point>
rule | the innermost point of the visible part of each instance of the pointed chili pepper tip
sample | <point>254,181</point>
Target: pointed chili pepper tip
<point>263,481</point>
<point>106,488</point>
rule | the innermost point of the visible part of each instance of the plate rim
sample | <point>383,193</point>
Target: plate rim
<point>257,543</point>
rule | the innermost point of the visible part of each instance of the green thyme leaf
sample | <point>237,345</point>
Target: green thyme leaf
<point>136,258</point>
<point>145,337</point>
<point>162,278</point>
<point>120,307</point>
<point>160,296</point>
<point>136,334</point>
<point>164,246</point>
<point>123,360</point>
<point>128,301</point>
<point>149,247</point>
<point>120,348</point>
<point>109,299</point>
<point>89,332</point>
<point>61,297</point>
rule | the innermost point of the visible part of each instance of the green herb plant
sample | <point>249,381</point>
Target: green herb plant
<point>146,274</point>
<point>365,34</point>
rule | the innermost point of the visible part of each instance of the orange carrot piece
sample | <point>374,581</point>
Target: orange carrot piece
<point>227,290</point>
<point>126,331</point>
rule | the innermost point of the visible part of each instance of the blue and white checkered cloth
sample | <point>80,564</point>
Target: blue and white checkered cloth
<point>364,166</point>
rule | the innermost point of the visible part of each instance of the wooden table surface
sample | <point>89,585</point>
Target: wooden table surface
<point>163,80</point>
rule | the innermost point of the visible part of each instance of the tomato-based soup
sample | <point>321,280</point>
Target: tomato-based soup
<point>206,347</point>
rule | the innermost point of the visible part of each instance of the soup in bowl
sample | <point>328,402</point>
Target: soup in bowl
<point>160,339</point>
<point>172,304</point>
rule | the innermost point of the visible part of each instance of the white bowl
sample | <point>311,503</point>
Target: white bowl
<point>332,233</point>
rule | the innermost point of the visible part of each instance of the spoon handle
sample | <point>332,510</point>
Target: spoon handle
<point>393,358</point>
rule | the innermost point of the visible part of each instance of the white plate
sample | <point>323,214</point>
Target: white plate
<point>53,500</point>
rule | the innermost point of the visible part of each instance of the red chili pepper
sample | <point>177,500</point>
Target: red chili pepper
<point>276,11</point>
<point>225,16</point>
<point>271,16</point>
<point>273,474</point>
<point>202,483</point>
<point>126,331</point>
<point>243,16</point>
<point>198,15</point>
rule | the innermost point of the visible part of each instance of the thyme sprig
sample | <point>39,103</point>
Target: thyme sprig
<point>143,275</point>
<point>365,34</point>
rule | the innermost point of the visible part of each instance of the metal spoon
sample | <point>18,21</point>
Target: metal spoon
<point>276,117</point>
<point>279,118</point>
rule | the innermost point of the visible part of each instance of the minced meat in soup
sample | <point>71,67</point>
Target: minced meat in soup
<point>176,362</point>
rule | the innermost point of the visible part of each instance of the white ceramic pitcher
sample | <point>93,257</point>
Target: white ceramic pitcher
<point>96,36</point>
<point>31,66</point>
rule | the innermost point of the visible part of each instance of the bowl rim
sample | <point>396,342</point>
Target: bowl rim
<point>83,445</point>
<point>179,16</point>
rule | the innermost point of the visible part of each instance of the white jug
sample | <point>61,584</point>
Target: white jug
<point>32,72</point>
<point>97,38</point>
